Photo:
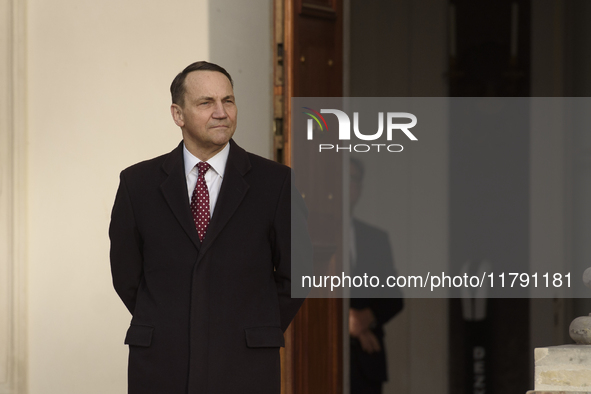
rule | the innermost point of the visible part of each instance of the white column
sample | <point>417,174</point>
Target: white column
<point>12,195</point>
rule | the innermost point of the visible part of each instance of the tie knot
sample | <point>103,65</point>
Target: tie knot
<point>203,167</point>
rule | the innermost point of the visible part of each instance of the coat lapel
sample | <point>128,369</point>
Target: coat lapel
<point>233,190</point>
<point>174,189</point>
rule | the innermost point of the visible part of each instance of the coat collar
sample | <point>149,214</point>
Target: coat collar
<point>174,189</point>
<point>233,190</point>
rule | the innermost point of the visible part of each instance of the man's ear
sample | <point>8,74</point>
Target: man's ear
<point>177,115</point>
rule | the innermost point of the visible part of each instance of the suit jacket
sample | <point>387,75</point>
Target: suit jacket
<point>210,317</point>
<point>374,257</point>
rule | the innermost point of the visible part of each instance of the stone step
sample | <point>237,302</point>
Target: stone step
<point>563,369</point>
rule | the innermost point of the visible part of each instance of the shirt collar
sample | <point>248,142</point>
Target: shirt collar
<point>217,162</point>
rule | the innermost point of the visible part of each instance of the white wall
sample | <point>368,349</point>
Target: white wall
<point>98,78</point>
<point>98,101</point>
<point>241,40</point>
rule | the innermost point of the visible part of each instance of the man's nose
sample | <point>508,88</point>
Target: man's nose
<point>219,111</point>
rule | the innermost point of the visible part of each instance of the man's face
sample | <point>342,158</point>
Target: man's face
<point>208,115</point>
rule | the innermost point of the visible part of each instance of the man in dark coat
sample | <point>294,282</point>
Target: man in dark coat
<point>201,253</point>
<point>371,254</point>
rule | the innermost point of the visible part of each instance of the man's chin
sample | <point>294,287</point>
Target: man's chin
<point>222,139</point>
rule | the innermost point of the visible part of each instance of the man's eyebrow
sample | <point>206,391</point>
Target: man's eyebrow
<point>208,98</point>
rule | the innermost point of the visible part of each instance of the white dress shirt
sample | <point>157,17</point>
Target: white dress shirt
<point>213,177</point>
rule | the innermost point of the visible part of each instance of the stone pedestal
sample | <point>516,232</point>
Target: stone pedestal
<point>563,369</point>
<point>558,392</point>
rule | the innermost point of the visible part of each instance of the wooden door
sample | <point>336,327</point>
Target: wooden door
<point>309,63</point>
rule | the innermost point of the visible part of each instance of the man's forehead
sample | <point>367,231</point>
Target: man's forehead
<point>204,81</point>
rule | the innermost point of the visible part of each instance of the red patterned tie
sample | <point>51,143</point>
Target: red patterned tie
<point>200,201</point>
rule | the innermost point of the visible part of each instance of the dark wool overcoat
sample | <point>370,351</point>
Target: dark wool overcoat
<point>207,317</point>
